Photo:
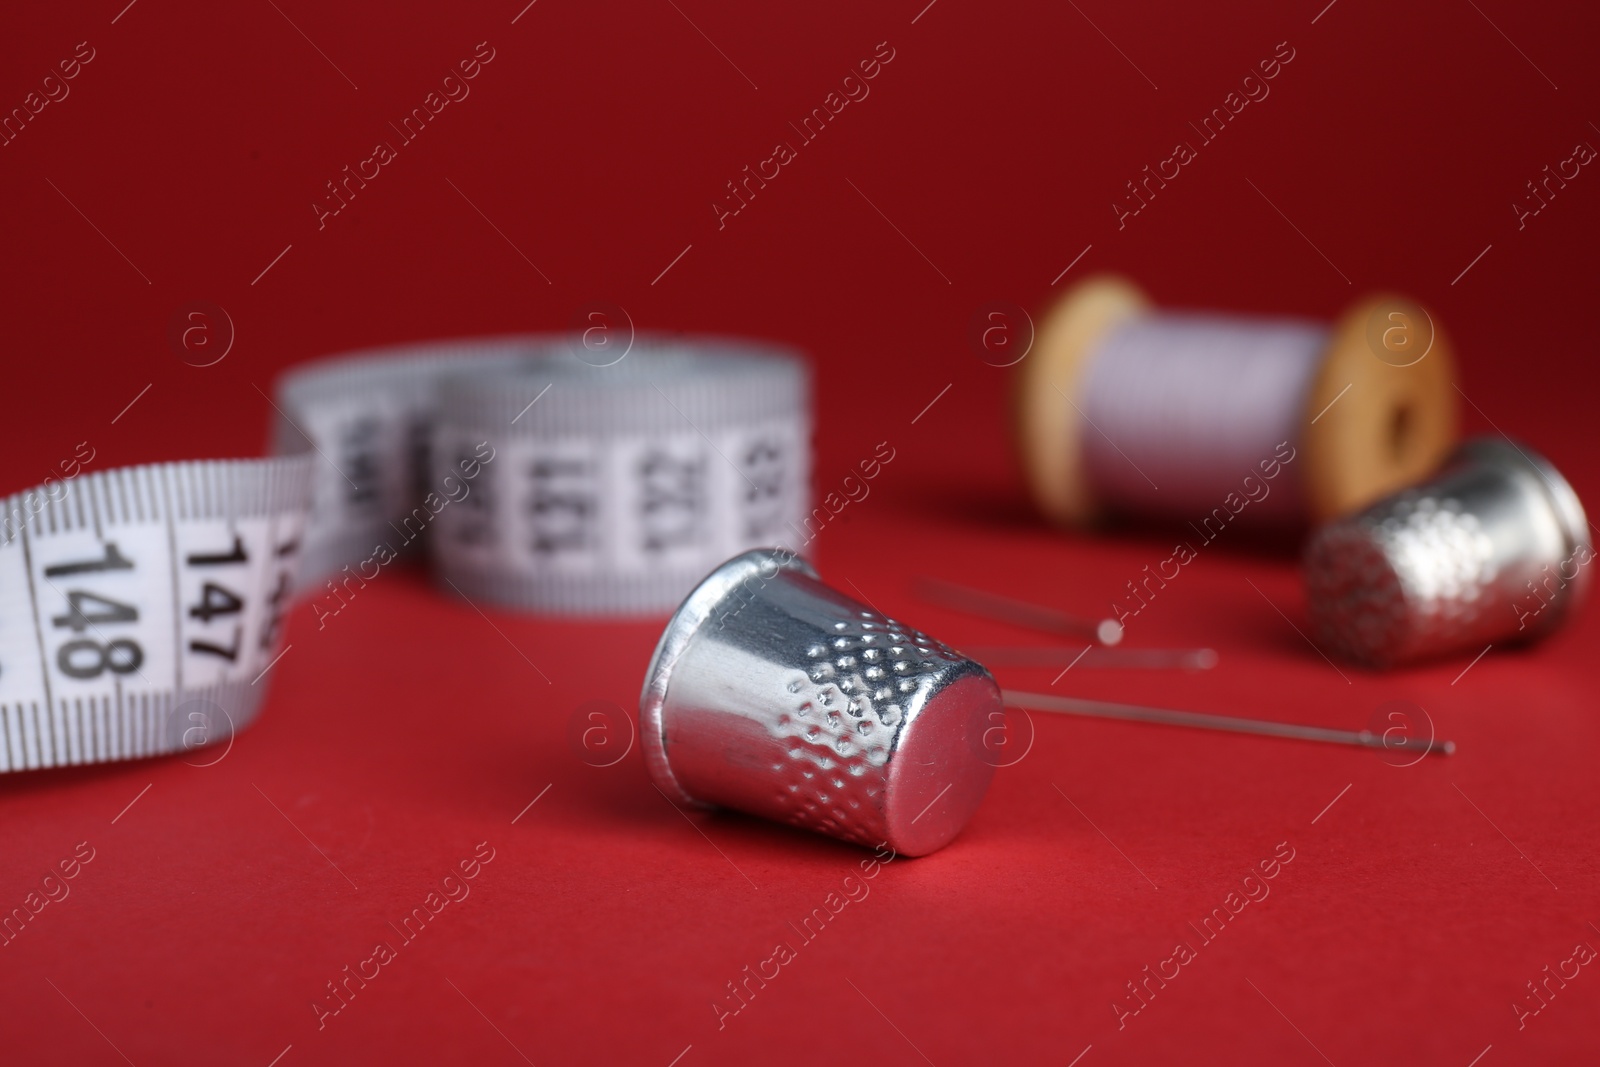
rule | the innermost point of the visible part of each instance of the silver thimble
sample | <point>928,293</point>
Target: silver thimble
<point>1494,548</point>
<point>773,694</point>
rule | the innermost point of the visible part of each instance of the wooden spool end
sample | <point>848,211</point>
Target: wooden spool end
<point>1049,397</point>
<point>1389,376</point>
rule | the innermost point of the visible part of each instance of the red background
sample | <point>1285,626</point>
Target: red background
<point>409,731</point>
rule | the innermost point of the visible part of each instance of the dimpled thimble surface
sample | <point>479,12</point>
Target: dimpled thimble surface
<point>775,695</point>
<point>1493,548</point>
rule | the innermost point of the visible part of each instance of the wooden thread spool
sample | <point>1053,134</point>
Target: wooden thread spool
<point>1366,405</point>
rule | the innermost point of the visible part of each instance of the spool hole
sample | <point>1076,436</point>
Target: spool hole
<point>1402,432</point>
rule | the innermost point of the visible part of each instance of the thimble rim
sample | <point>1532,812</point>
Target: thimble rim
<point>698,608</point>
<point>1562,497</point>
<point>1558,493</point>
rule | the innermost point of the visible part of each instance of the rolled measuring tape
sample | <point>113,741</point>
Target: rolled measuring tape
<point>1123,410</point>
<point>141,608</point>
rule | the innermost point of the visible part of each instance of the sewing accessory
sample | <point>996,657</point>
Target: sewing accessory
<point>1494,548</point>
<point>1017,612</point>
<point>616,483</point>
<point>1099,709</point>
<point>634,481</point>
<point>1124,410</point>
<point>140,608</point>
<point>142,605</point>
<point>1092,657</point>
<point>774,694</point>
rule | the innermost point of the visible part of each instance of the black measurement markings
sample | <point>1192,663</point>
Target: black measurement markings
<point>471,523</point>
<point>766,472</point>
<point>673,500</point>
<point>563,505</point>
<point>84,657</point>
<point>44,661</point>
<point>359,462</point>
<point>278,599</point>
<point>218,601</point>
<point>171,520</point>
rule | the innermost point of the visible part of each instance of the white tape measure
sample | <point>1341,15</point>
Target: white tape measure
<point>140,608</point>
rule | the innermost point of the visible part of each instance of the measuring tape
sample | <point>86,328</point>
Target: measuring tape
<point>141,608</point>
<point>141,605</point>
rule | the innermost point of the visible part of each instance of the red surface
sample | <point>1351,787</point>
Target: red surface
<point>607,924</point>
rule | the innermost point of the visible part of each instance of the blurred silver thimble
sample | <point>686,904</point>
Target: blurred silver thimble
<point>1493,548</point>
<point>773,694</point>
